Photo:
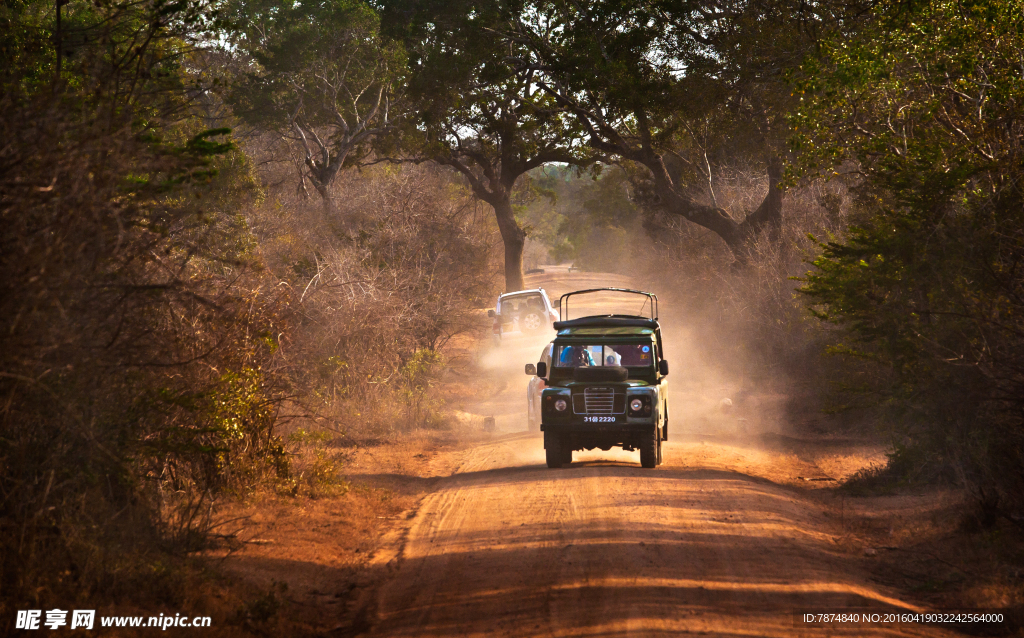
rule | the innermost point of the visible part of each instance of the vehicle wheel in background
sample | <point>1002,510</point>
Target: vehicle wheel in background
<point>659,451</point>
<point>531,322</point>
<point>649,449</point>
<point>553,449</point>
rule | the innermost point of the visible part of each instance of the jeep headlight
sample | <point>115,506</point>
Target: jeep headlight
<point>640,405</point>
<point>560,405</point>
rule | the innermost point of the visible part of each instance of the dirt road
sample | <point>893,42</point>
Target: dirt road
<point>720,540</point>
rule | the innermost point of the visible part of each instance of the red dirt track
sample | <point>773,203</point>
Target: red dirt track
<point>720,540</point>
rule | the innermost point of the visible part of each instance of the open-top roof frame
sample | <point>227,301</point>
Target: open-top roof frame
<point>563,301</point>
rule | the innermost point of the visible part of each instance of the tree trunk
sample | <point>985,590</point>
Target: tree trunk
<point>495,188</point>
<point>514,239</point>
<point>325,196</point>
<point>323,175</point>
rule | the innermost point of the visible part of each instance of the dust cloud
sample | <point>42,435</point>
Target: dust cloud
<point>502,370</point>
<point>710,393</point>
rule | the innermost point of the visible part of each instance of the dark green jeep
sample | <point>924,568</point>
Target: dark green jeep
<point>606,386</point>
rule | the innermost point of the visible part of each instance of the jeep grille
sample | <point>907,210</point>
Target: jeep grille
<point>598,401</point>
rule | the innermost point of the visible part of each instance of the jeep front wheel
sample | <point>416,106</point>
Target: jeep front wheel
<point>649,449</point>
<point>553,449</point>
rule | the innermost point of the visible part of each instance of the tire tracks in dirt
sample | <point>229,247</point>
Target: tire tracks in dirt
<point>505,546</point>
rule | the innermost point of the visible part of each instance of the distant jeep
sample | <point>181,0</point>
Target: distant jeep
<point>606,385</point>
<point>524,312</point>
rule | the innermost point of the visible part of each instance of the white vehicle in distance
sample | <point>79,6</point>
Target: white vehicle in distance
<point>533,390</point>
<point>522,312</point>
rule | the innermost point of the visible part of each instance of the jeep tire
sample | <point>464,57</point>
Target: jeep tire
<point>649,449</point>
<point>553,449</point>
<point>566,453</point>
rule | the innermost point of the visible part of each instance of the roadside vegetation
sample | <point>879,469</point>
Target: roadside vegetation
<point>923,109</point>
<point>238,233</point>
<point>172,303</point>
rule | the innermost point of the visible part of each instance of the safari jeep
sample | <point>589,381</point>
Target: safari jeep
<point>606,385</point>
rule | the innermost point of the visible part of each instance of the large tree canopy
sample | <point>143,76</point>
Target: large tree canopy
<point>675,87</point>
<point>477,113</point>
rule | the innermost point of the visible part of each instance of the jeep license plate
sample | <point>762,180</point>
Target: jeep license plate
<point>599,419</point>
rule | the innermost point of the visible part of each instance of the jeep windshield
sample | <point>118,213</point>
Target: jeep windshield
<point>577,356</point>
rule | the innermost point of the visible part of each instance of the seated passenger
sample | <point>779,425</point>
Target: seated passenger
<point>575,356</point>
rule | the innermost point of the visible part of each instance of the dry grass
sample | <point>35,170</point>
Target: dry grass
<point>382,282</point>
